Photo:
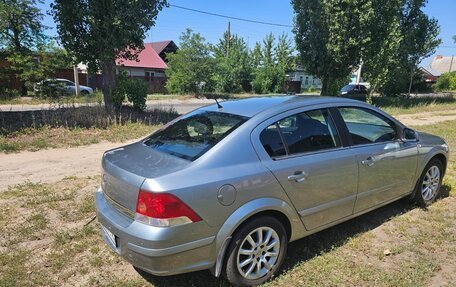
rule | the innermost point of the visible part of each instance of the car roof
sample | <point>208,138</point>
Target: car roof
<point>249,107</point>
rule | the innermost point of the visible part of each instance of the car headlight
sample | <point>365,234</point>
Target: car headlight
<point>445,147</point>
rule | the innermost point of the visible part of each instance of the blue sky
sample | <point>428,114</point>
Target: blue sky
<point>171,22</point>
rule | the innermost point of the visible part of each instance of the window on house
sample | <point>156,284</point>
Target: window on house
<point>307,80</point>
<point>149,75</point>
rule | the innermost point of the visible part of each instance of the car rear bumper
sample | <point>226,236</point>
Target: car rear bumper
<point>153,249</point>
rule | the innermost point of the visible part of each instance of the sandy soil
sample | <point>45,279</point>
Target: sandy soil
<point>427,118</point>
<point>51,165</point>
<point>54,164</point>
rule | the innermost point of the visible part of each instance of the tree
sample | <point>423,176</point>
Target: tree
<point>381,39</point>
<point>271,61</point>
<point>21,31</point>
<point>233,72</point>
<point>285,60</point>
<point>446,82</point>
<point>454,38</point>
<point>99,32</point>
<point>418,40</point>
<point>391,38</point>
<point>191,68</point>
<point>328,38</point>
<point>39,65</point>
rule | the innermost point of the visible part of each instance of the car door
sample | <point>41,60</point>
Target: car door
<point>386,165</point>
<point>304,152</point>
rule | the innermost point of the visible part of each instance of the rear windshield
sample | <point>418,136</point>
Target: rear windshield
<point>194,134</point>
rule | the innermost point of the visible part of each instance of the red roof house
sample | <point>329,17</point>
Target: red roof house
<point>150,63</point>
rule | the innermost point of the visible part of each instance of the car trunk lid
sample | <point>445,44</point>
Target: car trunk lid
<point>126,168</point>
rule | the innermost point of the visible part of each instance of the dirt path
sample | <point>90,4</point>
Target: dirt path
<point>426,118</point>
<point>51,165</point>
<point>54,164</point>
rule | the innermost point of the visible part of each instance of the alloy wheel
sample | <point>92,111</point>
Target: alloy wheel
<point>430,184</point>
<point>258,253</point>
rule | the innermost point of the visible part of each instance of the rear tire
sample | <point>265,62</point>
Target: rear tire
<point>428,187</point>
<point>256,252</point>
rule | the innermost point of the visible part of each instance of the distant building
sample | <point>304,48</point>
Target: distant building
<point>430,76</point>
<point>442,64</point>
<point>150,66</point>
<point>151,62</point>
<point>307,81</point>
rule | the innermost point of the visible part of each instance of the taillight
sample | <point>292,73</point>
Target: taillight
<point>163,209</point>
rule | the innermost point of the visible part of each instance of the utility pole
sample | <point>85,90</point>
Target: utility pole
<point>358,76</point>
<point>228,40</point>
<point>76,80</point>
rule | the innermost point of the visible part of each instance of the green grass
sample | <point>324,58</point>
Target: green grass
<point>402,105</point>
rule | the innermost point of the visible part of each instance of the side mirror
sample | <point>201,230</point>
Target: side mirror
<point>409,135</point>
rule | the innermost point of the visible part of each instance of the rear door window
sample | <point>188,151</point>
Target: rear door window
<point>194,134</point>
<point>300,133</point>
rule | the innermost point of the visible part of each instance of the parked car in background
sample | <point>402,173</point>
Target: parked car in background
<point>354,90</point>
<point>62,85</point>
<point>227,187</point>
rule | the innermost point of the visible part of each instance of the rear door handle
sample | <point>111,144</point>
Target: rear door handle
<point>298,176</point>
<point>368,161</point>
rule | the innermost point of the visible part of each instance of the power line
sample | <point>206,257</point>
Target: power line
<point>444,46</point>
<point>230,17</point>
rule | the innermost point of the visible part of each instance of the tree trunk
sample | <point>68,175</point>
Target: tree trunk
<point>324,86</point>
<point>108,69</point>
<point>18,49</point>
<point>412,73</point>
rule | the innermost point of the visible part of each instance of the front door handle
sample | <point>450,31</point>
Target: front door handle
<point>298,176</point>
<point>368,161</point>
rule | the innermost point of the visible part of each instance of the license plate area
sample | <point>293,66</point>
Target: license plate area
<point>110,237</point>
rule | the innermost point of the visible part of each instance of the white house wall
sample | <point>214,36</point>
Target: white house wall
<point>140,72</point>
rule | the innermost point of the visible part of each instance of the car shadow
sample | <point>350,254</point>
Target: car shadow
<point>306,248</point>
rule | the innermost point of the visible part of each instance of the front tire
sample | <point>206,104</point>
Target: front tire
<point>256,252</point>
<point>428,186</point>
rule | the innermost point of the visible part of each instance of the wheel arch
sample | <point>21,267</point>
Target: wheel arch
<point>436,155</point>
<point>277,208</point>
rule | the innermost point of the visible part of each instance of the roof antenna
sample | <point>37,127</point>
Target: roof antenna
<point>219,106</point>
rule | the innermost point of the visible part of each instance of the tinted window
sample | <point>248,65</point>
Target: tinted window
<point>309,131</point>
<point>271,141</point>
<point>194,134</point>
<point>304,132</point>
<point>366,126</point>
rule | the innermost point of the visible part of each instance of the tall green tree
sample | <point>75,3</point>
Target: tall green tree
<point>233,72</point>
<point>328,38</point>
<point>271,61</point>
<point>99,32</point>
<point>21,30</point>
<point>256,56</point>
<point>191,68</point>
<point>381,38</point>
<point>418,40</point>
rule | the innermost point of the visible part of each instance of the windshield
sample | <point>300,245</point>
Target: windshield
<point>347,88</point>
<point>194,134</point>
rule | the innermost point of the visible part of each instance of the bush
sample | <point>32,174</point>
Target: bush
<point>8,94</point>
<point>135,90</point>
<point>446,82</point>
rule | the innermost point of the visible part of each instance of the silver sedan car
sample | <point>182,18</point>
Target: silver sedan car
<point>227,187</point>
